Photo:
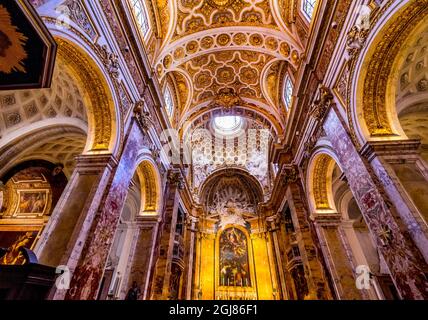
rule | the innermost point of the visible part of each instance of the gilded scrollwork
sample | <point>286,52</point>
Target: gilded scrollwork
<point>100,108</point>
<point>320,190</point>
<point>378,65</point>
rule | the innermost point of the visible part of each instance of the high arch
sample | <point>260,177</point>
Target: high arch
<point>102,115</point>
<point>373,102</point>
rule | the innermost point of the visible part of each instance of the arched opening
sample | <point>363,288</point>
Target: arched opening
<point>27,198</point>
<point>36,120</point>
<point>347,242</point>
<point>412,109</point>
<point>102,113</point>
<point>358,240</point>
<point>132,248</point>
<point>75,116</point>
<point>378,78</point>
<point>392,99</point>
<point>228,260</point>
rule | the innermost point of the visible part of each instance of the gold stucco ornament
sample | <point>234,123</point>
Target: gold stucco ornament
<point>220,3</point>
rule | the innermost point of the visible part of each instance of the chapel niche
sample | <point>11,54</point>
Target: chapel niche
<point>28,196</point>
<point>233,250</point>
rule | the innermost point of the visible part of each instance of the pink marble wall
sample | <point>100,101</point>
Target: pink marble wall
<point>401,255</point>
<point>414,223</point>
<point>88,273</point>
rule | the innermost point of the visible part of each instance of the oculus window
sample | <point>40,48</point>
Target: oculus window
<point>228,125</point>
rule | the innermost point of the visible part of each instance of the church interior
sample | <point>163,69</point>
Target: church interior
<point>214,149</point>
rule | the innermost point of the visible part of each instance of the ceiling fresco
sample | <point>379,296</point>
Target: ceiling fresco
<point>242,47</point>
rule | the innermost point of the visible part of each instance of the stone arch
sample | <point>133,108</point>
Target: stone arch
<point>247,109</point>
<point>59,143</point>
<point>412,91</point>
<point>79,100</point>
<point>373,102</point>
<point>98,97</point>
<point>319,181</point>
<point>128,259</point>
<point>252,186</point>
<point>150,184</point>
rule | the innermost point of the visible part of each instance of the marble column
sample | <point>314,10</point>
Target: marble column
<point>87,253</point>
<point>75,211</point>
<point>357,257</point>
<point>385,158</point>
<point>335,255</point>
<point>190,246</point>
<point>316,278</point>
<point>401,254</point>
<point>165,240</point>
<point>141,255</point>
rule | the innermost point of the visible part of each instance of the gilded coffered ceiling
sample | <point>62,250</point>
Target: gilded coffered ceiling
<point>239,47</point>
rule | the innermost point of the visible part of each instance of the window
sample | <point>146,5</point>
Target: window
<point>140,15</point>
<point>288,92</point>
<point>169,102</point>
<point>308,7</point>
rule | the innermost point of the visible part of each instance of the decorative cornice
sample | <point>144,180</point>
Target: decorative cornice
<point>355,40</point>
<point>110,60</point>
<point>390,148</point>
<point>327,220</point>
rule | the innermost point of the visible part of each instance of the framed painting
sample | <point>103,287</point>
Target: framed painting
<point>32,203</point>
<point>27,49</point>
<point>13,240</point>
<point>234,260</point>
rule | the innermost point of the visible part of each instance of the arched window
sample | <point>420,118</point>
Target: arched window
<point>288,92</point>
<point>308,7</point>
<point>169,102</point>
<point>140,14</point>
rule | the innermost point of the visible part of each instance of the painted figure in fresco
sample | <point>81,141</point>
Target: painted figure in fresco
<point>32,203</point>
<point>14,255</point>
<point>234,269</point>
